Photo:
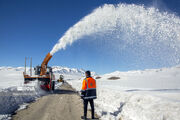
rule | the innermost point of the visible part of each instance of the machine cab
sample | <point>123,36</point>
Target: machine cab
<point>37,70</point>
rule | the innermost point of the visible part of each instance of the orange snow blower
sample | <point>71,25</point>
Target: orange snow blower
<point>42,73</point>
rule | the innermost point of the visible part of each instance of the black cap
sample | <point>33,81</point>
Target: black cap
<point>88,73</point>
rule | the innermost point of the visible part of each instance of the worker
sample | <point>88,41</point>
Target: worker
<point>88,93</point>
<point>61,79</point>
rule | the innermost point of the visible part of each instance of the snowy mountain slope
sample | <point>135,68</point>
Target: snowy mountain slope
<point>66,70</point>
<point>70,71</point>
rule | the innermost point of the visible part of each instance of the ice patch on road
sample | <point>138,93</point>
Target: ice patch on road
<point>23,106</point>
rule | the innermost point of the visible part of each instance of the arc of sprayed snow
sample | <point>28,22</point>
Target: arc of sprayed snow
<point>86,26</point>
<point>131,18</point>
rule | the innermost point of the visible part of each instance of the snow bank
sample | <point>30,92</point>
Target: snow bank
<point>113,104</point>
<point>16,97</point>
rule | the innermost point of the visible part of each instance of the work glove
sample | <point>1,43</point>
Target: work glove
<point>83,92</point>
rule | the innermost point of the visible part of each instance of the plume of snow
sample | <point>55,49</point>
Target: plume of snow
<point>146,22</point>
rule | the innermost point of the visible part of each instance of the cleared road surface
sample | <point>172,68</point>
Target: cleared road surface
<point>63,104</point>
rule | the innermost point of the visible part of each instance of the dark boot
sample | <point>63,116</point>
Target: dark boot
<point>94,118</point>
<point>84,117</point>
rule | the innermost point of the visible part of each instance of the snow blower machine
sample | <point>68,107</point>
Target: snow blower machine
<point>42,73</point>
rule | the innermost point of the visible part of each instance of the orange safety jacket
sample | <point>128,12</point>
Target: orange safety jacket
<point>89,86</point>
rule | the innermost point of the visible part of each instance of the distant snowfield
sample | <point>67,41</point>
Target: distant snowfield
<point>11,77</point>
<point>138,95</point>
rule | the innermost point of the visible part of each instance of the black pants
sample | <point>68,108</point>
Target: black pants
<point>92,107</point>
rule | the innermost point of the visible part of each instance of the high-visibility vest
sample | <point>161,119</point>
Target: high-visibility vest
<point>89,86</point>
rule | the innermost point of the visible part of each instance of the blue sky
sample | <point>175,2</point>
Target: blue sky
<point>32,27</point>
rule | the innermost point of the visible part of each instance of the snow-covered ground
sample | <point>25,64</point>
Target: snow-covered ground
<point>138,95</point>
